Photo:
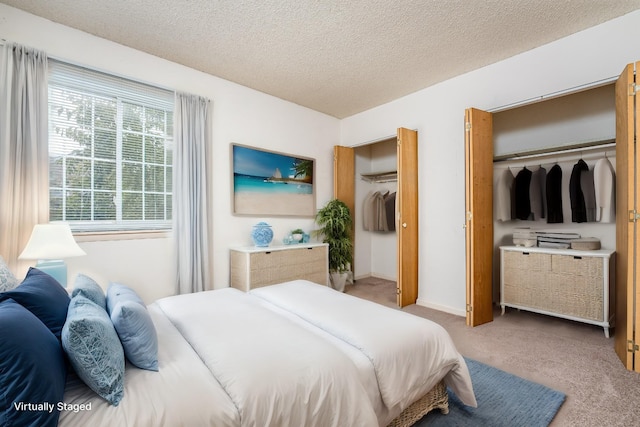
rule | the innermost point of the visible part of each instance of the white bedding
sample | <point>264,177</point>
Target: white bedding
<point>409,354</point>
<point>226,360</point>
<point>182,393</point>
<point>290,354</point>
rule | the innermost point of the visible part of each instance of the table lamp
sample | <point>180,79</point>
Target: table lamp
<point>50,244</point>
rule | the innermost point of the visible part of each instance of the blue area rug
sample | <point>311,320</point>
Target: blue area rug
<point>503,400</point>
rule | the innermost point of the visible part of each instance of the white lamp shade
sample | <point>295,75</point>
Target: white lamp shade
<point>51,241</point>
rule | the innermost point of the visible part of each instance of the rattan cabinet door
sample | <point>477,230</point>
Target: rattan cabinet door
<point>524,278</point>
<point>576,286</point>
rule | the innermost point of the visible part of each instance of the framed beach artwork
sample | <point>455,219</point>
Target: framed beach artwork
<point>268,183</point>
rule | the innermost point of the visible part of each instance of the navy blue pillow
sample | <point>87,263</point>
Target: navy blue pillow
<point>32,369</point>
<point>42,295</point>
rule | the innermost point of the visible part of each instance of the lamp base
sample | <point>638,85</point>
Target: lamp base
<point>55,268</point>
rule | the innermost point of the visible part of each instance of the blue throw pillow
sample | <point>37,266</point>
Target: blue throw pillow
<point>32,369</point>
<point>137,334</point>
<point>42,295</point>
<point>89,288</point>
<point>7,280</point>
<point>93,348</point>
<point>117,292</point>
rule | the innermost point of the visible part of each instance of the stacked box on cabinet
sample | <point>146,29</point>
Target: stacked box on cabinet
<point>525,237</point>
<point>556,239</point>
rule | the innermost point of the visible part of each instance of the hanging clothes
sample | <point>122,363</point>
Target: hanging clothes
<point>604,180</point>
<point>367,212</point>
<point>381,212</point>
<point>578,207</point>
<point>554,195</point>
<point>589,193</point>
<point>503,196</point>
<point>375,212</point>
<point>390,207</point>
<point>522,186</point>
<point>537,193</point>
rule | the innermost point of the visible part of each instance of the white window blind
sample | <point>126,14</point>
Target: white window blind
<point>110,151</point>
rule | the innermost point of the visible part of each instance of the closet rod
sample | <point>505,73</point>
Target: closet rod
<point>551,151</point>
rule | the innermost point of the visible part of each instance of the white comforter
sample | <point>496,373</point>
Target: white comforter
<point>227,360</point>
<point>409,354</point>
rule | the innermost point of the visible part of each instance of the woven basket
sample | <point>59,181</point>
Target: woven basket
<point>436,398</point>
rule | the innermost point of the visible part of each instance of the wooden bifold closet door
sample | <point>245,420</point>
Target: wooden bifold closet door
<point>479,216</point>
<point>627,296</point>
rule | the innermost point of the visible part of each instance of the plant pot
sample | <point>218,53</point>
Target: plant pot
<point>338,280</point>
<point>297,237</point>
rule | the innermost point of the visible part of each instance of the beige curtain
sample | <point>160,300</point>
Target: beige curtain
<point>192,212</point>
<point>24,155</point>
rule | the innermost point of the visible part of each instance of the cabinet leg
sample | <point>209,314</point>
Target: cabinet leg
<point>606,331</point>
<point>502,310</point>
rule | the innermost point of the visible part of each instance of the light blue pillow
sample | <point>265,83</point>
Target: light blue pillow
<point>7,280</point>
<point>89,288</point>
<point>117,292</point>
<point>93,348</point>
<point>137,334</point>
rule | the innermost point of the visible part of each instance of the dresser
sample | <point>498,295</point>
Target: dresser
<point>567,283</point>
<point>253,267</point>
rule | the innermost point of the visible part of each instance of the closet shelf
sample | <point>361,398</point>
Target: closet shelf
<point>388,176</point>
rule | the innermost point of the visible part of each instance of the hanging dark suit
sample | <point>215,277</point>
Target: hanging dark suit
<point>578,207</point>
<point>554,195</point>
<point>522,186</point>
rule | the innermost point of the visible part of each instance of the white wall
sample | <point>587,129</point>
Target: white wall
<point>240,115</point>
<point>437,113</point>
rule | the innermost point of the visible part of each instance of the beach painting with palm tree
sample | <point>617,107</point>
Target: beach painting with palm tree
<point>271,183</point>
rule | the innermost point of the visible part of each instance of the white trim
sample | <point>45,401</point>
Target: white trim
<point>568,91</point>
<point>443,308</point>
<point>121,235</point>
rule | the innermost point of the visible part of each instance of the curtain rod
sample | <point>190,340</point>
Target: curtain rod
<point>552,151</point>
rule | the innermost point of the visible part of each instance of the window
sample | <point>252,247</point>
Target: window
<point>110,151</point>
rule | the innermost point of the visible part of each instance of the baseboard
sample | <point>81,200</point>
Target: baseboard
<point>375,276</point>
<point>444,308</point>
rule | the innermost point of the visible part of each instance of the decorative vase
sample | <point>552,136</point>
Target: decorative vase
<point>262,234</point>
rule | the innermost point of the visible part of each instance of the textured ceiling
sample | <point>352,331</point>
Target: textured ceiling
<point>339,57</point>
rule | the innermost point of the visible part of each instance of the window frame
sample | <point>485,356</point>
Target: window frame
<point>124,93</point>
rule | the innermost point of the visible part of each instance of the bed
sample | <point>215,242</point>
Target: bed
<point>289,354</point>
<point>295,353</point>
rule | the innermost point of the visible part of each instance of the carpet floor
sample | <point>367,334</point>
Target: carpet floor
<point>571,357</point>
<point>504,400</point>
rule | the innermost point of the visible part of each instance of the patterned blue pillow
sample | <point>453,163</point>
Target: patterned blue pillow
<point>89,288</point>
<point>42,295</point>
<point>7,280</point>
<point>32,368</point>
<point>93,348</point>
<point>137,334</point>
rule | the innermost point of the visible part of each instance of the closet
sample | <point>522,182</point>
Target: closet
<point>385,166</point>
<point>479,177</point>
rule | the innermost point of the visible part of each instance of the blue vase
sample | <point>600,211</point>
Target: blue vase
<point>262,234</point>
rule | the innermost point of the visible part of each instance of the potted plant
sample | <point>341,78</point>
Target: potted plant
<point>335,224</point>
<point>297,235</point>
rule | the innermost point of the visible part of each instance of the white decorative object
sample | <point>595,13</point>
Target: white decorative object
<point>50,244</point>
